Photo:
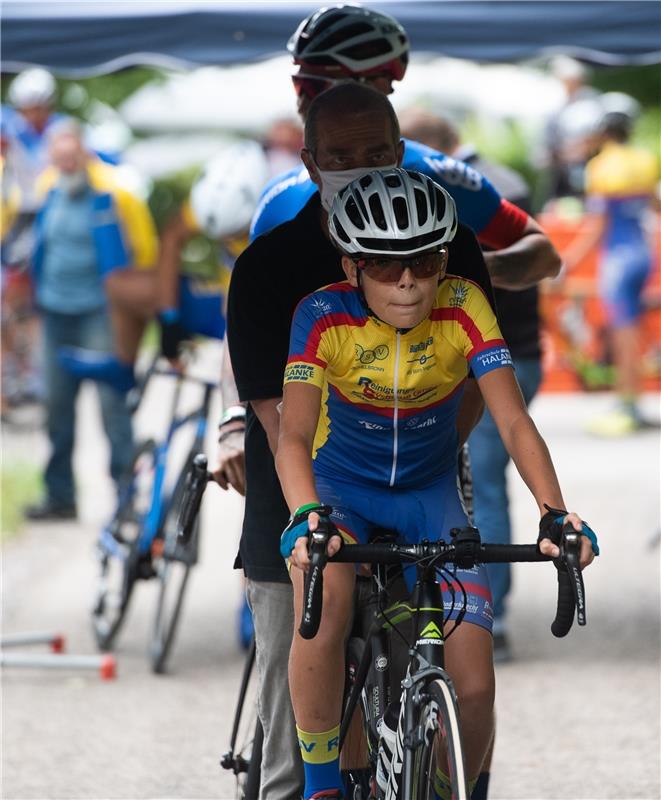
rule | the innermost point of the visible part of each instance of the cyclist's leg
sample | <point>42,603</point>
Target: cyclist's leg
<point>273,614</point>
<point>316,677</point>
<point>132,296</point>
<point>97,335</point>
<point>61,392</point>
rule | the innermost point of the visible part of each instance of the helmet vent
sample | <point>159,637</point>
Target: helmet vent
<point>377,212</point>
<point>354,214</point>
<point>365,181</point>
<point>393,180</point>
<point>420,206</point>
<point>401,213</point>
<point>440,205</point>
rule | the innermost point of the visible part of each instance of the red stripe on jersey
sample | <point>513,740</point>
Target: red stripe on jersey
<point>389,412</point>
<point>505,228</point>
<point>325,323</point>
<point>466,322</point>
<point>471,588</point>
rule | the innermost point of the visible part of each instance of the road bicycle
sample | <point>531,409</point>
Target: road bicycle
<point>405,738</point>
<point>244,755</point>
<point>140,542</point>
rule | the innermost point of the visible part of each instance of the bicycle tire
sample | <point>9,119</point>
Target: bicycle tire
<point>172,566</point>
<point>358,780</point>
<point>119,559</point>
<point>439,717</point>
<point>250,788</point>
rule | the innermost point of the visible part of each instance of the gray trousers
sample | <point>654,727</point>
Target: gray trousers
<point>272,605</point>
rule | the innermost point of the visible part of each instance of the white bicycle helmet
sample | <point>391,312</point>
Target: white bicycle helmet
<point>225,196</point>
<point>349,39</point>
<point>32,87</point>
<point>392,212</point>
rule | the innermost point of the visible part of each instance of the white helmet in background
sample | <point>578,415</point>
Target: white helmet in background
<point>225,196</point>
<point>32,87</point>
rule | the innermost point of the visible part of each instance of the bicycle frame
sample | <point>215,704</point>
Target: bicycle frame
<point>426,662</point>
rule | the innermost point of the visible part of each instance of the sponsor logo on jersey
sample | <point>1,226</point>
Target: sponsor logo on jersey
<point>320,306</point>
<point>501,357</point>
<point>459,294</point>
<point>455,173</point>
<point>380,352</point>
<point>299,372</point>
<point>371,426</point>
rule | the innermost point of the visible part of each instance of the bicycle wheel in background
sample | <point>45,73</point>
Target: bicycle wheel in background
<point>119,560</point>
<point>244,757</point>
<point>439,719</point>
<point>172,563</point>
<point>358,758</point>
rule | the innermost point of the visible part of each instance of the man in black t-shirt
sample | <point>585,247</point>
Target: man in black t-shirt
<point>349,129</point>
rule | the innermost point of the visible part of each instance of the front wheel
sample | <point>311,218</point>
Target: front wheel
<point>172,563</point>
<point>441,735</point>
<point>120,562</point>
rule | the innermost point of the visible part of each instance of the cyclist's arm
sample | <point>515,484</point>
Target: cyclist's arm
<point>526,261</point>
<point>527,449</point>
<point>300,414</point>
<point>177,232</point>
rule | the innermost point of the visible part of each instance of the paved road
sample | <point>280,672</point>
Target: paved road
<point>578,718</point>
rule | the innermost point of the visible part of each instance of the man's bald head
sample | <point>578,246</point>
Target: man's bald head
<point>344,101</point>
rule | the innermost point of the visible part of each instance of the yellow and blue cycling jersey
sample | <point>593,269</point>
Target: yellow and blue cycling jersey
<point>619,184</point>
<point>390,398</point>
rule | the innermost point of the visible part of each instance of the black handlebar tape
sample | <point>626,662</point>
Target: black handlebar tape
<point>313,591</point>
<point>564,615</point>
<point>196,482</point>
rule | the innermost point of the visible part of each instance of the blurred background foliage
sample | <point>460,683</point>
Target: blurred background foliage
<point>508,142</point>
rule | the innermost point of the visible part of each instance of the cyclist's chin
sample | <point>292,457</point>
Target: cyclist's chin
<point>404,315</point>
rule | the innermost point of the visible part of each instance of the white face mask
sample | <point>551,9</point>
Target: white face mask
<point>334,180</point>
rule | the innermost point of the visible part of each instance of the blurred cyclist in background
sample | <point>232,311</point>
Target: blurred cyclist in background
<point>620,186</point>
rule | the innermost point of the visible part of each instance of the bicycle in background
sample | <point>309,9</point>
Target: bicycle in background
<point>244,755</point>
<point>140,542</point>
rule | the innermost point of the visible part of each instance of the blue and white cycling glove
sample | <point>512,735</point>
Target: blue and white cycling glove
<point>298,525</point>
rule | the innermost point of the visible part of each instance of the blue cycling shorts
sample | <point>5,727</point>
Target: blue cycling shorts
<point>624,269</point>
<point>427,513</point>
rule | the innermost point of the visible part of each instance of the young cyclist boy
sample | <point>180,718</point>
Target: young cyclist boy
<point>371,392</point>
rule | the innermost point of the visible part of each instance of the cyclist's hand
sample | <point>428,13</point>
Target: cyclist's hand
<point>231,466</point>
<point>552,523</point>
<point>295,537</point>
<point>299,555</point>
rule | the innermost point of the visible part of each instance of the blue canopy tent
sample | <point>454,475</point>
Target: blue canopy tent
<point>85,37</point>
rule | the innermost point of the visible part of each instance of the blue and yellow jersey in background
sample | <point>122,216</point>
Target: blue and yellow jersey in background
<point>390,398</point>
<point>619,183</point>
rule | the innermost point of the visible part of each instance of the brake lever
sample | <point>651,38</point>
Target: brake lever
<point>570,551</point>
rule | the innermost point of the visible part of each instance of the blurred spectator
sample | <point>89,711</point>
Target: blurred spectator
<point>565,152</point>
<point>84,229</point>
<point>282,143</point>
<point>519,321</point>
<point>620,183</point>
<point>25,123</point>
